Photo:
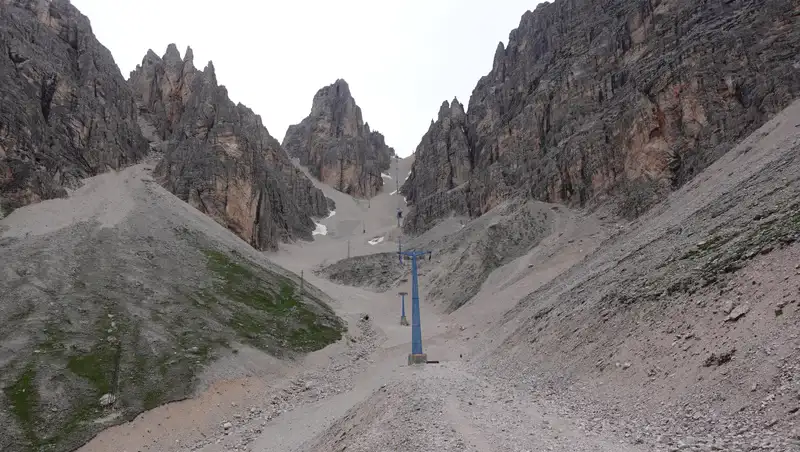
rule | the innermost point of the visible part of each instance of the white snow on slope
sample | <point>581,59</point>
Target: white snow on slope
<point>376,240</point>
<point>321,229</point>
<point>333,212</point>
<point>386,176</point>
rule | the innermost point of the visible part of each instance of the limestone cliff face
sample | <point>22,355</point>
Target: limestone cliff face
<point>618,97</point>
<point>438,180</point>
<point>337,146</point>
<point>219,156</point>
<point>66,112</point>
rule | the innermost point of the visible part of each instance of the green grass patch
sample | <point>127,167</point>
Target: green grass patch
<point>54,339</point>
<point>100,364</point>
<point>152,399</point>
<point>251,329</point>
<point>706,247</point>
<point>729,251</point>
<point>779,232</point>
<point>265,308</point>
<point>24,399</point>
<point>314,337</point>
<point>97,366</point>
<point>78,417</point>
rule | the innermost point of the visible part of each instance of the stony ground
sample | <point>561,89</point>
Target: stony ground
<point>463,253</point>
<point>681,330</point>
<point>114,301</point>
<point>674,332</point>
<point>312,404</point>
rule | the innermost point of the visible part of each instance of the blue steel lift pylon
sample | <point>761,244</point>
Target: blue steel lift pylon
<point>416,356</point>
<point>403,319</point>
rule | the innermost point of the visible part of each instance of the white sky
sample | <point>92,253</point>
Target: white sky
<point>401,58</point>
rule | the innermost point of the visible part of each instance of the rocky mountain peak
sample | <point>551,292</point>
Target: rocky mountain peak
<point>172,55</point>
<point>210,72</point>
<point>219,156</point>
<point>67,113</point>
<point>188,58</point>
<point>337,97</point>
<point>590,102</point>
<point>452,109</point>
<point>499,54</point>
<point>337,146</point>
<point>444,109</point>
<point>339,89</point>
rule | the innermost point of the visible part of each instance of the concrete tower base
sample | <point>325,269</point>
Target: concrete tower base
<point>417,359</point>
<point>404,321</point>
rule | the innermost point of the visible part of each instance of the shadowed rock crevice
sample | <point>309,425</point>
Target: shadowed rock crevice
<point>48,89</point>
<point>219,157</point>
<point>337,146</point>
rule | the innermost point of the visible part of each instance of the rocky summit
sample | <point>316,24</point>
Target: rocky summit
<point>337,146</point>
<point>66,112</point>
<point>219,157</point>
<point>620,98</point>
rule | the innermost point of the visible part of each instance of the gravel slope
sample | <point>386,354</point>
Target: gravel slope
<point>117,300</point>
<point>674,332</point>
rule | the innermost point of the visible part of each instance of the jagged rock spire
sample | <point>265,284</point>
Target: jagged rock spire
<point>337,146</point>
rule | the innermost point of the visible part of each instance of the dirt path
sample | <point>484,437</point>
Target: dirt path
<point>362,384</point>
<point>436,407</point>
<point>444,407</point>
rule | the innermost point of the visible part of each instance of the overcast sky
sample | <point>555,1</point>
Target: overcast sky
<point>400,58</point>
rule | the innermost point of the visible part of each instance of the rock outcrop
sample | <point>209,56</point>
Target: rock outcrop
<point>623,98</point>
<point>337,146</point>
<point>219,156</point>
<point>66,111</point>
<point>439,176</point>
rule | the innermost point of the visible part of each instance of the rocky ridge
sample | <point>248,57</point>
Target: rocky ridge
<point>337,146</point>
<point>66,111</point>
<point>632,103</point>
<point>122,298</point>
<point>219,157</point>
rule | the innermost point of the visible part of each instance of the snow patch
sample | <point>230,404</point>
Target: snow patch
<point>321,229</point>
<point>333,212</point>
<point>409,175</point>
<point>392,193</point>
<point>376,240</point>
<point>386,176</point>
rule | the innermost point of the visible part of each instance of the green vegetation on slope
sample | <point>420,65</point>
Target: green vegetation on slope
<point>260,313</point>
<point>24,399</point>
<point>146,350</point>
<point>728,251</point>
